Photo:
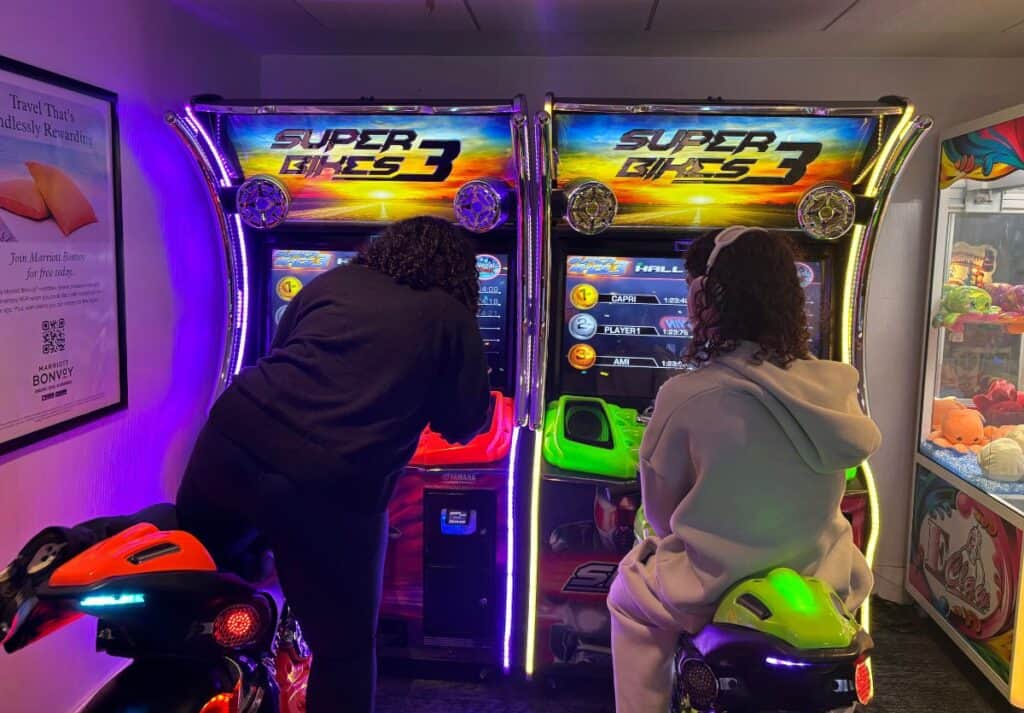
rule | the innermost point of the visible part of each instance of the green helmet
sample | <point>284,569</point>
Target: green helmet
<point>802,611</point>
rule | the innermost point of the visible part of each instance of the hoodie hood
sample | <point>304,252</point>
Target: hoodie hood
<point>816,404</point>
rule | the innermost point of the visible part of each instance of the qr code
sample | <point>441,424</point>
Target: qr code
<point>53,335</point>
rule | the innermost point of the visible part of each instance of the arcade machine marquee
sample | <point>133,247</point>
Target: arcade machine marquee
<point>299,188</point>
<point>624,189</point>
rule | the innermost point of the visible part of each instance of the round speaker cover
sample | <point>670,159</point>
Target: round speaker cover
<point>827,212</point>
<point>262,202</point>
<point>481,204</point>
<point>590,207</point>
<point>699,683</point>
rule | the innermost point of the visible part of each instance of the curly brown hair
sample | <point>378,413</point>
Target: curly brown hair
<point>752,294</point>
<point>426,252</point>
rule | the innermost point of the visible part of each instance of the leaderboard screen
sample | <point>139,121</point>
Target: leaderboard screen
<point>291,270</point>
<point>626,328</point>
<point>626,322</point>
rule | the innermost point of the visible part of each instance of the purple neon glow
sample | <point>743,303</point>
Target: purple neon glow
<point>225,180</point>
<point>510,562</point>
<point>244,297</point>
<point>772,661</point>
<point>242,318</point>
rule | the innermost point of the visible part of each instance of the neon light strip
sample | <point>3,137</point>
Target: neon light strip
<point>873,534</point>
<point>871,190</point>
<point>106,600</point>
<point>849,290</point>
<point>244,297</point>
<point>531,618</point>
<point>772,661</point>
<point>242,313</point>
<point>225,180</point>
<point>510,553</point>
<point>846,349</point>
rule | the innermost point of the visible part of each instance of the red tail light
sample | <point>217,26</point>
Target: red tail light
<point>863,680</point>
<point>237,626</point>
<point>222,702</point>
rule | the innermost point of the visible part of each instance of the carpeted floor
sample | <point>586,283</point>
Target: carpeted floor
<point>917,670</point>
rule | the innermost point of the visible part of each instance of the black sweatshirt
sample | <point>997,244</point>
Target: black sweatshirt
<point>359,366</point>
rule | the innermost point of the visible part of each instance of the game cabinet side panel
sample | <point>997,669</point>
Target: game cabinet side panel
<point>964,561</point>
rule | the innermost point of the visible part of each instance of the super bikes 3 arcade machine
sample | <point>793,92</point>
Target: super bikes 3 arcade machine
<point>624,188</point>
<point>298,188</point>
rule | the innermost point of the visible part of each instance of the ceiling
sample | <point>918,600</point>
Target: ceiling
<point>735,28</point>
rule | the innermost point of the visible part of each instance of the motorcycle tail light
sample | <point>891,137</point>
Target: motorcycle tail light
<point>237,626</point>
<point>864,682</point>
<point>223,702</point>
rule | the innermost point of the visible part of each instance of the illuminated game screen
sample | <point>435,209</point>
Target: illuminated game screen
<point>626,328</point>
<point>626,325</point>
<point>291,270</point>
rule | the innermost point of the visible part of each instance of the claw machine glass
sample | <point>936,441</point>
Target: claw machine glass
<point>967,515</point>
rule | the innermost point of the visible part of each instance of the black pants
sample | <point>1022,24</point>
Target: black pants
<point>329,560</point>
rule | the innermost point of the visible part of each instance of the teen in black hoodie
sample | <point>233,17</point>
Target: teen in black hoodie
<point>304,448</point>
<point>302,451</point>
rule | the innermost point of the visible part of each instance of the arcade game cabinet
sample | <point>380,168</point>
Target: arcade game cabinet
<point>299,188</point>
<point>624,189</point>
<point>967,518</point>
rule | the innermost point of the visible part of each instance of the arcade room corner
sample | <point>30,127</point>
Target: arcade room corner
<point>511,356</point>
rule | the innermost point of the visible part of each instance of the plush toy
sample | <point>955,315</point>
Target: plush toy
<point>940,407</point>
<point>999,291</point>
<point>962,430</point>
<point>958,300</point>
<point>1015,433</point>
<point>1007,297</point>
<point>1001,404</point>
<point>1002,459</point>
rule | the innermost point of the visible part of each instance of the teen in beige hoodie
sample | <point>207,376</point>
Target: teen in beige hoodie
<point>741,466</point>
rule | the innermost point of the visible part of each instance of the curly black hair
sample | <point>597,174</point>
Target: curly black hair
<point>752,294</point>
<point>426,252</point>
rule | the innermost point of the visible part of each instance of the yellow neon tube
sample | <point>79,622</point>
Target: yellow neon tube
<point>846,349</point>
<point>871,190</point>
<point>531,607</point>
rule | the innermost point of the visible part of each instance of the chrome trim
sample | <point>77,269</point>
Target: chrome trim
<point>355,108</point>
<point>710,107</point>
<point>233,336</point>
<point>545,178</point>
<point>524,267</point>
<point>891,172</point>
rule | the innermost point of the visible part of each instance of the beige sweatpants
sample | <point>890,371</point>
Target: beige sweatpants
<point>645,634</point>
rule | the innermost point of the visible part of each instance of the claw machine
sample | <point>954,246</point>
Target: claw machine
<point>967,507</point>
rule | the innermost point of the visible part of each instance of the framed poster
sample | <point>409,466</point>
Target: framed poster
<point>62,333</point>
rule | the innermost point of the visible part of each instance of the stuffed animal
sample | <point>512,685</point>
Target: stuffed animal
<point>1002,459</point>
<point>1001,404</point>
<point>1007,297</point>
<point>958,300</point>
<point>1015,433</point>
<point>962,430</point>
<point>940,407</point>
<point>999,291</point>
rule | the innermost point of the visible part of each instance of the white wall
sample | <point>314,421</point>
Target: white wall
<point>951,91</point>
<point>154,58</point>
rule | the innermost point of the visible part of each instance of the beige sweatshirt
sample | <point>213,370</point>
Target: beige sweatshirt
<point>742,471</point>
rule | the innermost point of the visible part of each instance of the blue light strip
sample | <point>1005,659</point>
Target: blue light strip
<point>107,600</point>
<point>772,661</point>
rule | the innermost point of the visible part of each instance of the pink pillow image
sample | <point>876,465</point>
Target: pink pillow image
<point>69,206</point>
<point>21,197</point>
